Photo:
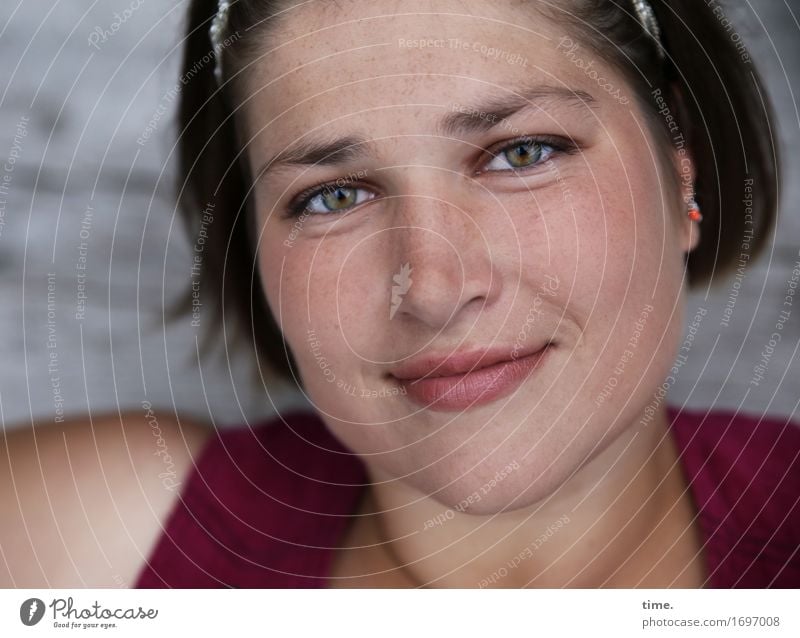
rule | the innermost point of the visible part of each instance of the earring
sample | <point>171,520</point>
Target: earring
<point>694,211</point>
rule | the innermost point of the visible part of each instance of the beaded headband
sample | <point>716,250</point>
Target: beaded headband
<point>647,18</point>
<point>217,32</point>
<point>644,13</point>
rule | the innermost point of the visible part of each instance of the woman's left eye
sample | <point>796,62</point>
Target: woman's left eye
<point>517,155</point>
<point>520,154</point>
<point>328,200</point>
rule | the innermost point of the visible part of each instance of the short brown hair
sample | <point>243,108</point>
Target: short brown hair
<point>707,82</point>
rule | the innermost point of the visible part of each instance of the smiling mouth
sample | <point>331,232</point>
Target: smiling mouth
<point>475,386</point>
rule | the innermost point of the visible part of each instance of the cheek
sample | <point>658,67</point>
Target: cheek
<point>609,229</point>
<point>298,292</point>
<point>628,278</point>
<point>608,232</point>
<point>603,225</point>
<point>320,293</point>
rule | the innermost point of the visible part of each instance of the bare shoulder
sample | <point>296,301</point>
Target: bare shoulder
<point>84,501</point>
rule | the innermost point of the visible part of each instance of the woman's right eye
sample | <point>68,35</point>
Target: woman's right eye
<point>339,196</point>
<point>328,199</point>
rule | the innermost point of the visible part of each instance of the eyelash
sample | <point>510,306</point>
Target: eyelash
<point>301,202</point>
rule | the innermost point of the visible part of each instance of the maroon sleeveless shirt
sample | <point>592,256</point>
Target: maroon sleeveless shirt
<point>266,507</point>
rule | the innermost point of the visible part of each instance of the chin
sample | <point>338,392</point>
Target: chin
<point>525,468</point>
<point>492,493</point>
<point>503,482</point>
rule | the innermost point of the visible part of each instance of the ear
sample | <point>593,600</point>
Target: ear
<point>689,230</point>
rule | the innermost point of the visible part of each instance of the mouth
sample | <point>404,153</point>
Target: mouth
<point>462,381</point>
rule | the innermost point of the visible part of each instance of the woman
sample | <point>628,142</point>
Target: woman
<point>465,229</point>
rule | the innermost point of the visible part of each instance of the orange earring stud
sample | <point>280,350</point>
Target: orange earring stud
<point>694,211</point>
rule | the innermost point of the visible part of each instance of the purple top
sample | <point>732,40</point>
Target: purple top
<point>265,507</point>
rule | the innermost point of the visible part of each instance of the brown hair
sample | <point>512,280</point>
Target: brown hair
<point>707,81</point>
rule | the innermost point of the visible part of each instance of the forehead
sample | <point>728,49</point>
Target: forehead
<point>393,67</point>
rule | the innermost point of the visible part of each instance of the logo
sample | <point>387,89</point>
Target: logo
<point>31,611</point>
<point>402,282</point>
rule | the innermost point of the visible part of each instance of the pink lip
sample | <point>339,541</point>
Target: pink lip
<point>468,380</point>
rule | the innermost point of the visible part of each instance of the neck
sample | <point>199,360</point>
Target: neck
<point>624,519</point>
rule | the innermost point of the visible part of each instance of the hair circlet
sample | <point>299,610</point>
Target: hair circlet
<point>219,24</point>
<point>647,18</point>
<point>216,32</point>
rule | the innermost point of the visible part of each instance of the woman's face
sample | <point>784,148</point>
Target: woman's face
<point>453,231</point>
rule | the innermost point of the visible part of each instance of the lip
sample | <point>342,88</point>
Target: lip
<point>464,380</point>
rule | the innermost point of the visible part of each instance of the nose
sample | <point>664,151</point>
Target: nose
<point>443,272</point>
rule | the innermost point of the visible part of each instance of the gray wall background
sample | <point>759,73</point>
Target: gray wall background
<point>82,108</point>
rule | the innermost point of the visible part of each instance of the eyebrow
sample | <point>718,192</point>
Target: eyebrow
<point>468,119</point>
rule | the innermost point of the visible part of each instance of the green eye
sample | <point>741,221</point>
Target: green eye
<point>521,154</point>
<point>339,198</point>
<point>328,199</point>
<point>524,154</point>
